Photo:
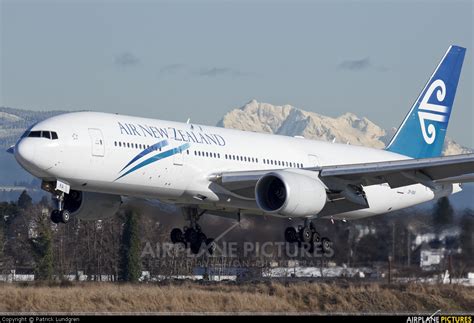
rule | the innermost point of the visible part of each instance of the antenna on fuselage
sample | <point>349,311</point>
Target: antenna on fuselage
<point>189,119</point>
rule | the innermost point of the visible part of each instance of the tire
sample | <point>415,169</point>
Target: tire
<point>55,216</point>
<point>196,247</point>
<point>291,235</point>
<point>325,245</point>
<point>316,238</point>
<point>191,236</point>
<point>64,216</point>
<point>306,234</point>
<point>176,235</point>
<point>211,246</point>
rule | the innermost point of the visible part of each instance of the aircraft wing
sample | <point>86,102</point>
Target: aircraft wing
<point>426,171</point>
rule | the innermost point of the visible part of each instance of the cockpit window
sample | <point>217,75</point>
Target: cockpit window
<point>43,134</point>
<point>35,134</point>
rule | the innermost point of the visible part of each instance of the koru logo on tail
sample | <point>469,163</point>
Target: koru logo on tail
<point>432,112</point>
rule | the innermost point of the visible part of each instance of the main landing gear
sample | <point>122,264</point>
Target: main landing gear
<point>192,236</point>
<point>307,235</point>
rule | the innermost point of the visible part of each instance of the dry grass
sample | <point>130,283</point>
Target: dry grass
<point>272,297</point>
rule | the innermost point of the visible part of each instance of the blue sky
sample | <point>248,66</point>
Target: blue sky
<point>199,59</point>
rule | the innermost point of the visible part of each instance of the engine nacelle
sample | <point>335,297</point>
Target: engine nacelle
<point>292,193</point>
<point>91,206</point>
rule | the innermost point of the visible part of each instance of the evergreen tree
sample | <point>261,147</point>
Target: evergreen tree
<point>42,248</point>
<point>24,200</point>
<point>44,202</point>
<point>443,215</point>
<point>2,242</point>
<point>130,264</point>
<point>467,235</point>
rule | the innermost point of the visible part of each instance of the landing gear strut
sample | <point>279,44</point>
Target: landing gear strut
<point>192,236</point>
<point>306,234</point>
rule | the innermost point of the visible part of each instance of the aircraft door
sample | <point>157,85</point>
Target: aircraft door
<point>97,142</point>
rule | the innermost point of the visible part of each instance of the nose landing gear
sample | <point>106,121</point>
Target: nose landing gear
<point>64,198</point>
<point>61,214</point>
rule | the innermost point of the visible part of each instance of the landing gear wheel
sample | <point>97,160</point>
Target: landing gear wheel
<point>196,246</point>
<point>316,238</point>
<point>211,246</point>
<point>306,234</point>
<point>326,245</point>
<point>64,216</point>
<point>191,236</point>
<point>290,235</point>
<point>176,235</point>
<point>55,218</point>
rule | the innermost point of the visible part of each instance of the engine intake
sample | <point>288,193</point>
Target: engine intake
<point>292,193</point>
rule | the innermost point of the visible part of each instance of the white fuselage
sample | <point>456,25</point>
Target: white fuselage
<point>92,150</point>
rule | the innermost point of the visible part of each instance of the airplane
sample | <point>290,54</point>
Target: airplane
<point>90,160</point>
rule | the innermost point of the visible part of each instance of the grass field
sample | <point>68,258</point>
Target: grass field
<point>272,297</point>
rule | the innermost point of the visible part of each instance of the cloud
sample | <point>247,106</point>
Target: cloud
<point>356,65</point>
<point>218,71</point>
<point>126,59</point>
<point>361,64</point>
<point>200,71</point>
<point>172,68</point>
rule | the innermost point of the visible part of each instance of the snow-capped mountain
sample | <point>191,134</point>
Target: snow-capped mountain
<point>291,121</point>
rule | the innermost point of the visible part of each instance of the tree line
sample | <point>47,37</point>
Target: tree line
<point>121,247</point>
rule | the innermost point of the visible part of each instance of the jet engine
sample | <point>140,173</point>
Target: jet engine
<point>91,206</point>
<point>291,193</point>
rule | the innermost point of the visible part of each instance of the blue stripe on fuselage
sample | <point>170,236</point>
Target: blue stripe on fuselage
<point>146,152</point>
<point>156,158</point>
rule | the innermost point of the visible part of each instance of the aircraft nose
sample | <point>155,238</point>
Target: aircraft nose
<point>24,153</point>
